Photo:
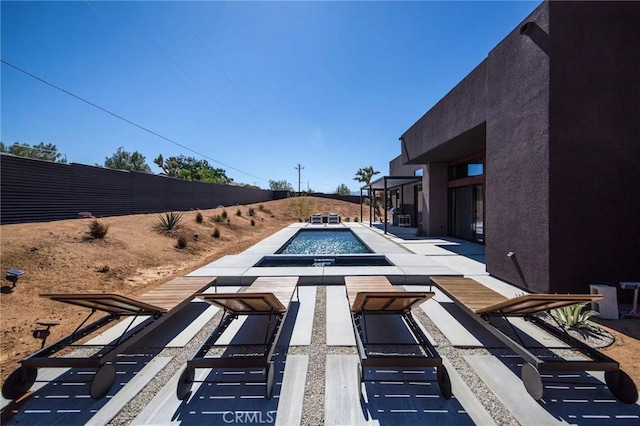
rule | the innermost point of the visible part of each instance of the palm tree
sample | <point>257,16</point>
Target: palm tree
<point>364,175</point>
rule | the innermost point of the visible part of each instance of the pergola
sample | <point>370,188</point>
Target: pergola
<point>384,184</point>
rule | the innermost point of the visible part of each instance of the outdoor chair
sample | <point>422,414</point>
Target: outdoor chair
<point>333,218</point>
<point>482,303</point>
<point>316,219</point>
<point>160,304</point>
<point>374,296</point>
<point>267,296</point>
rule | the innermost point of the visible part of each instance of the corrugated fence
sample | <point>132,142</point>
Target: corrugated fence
<point>39,191</point>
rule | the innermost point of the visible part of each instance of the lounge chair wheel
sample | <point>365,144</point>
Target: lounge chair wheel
<point>444,382</point>
<point>270,379</point>
<point>185,382</point>
<point>621,386</point>
<point>102,381</point>
<point>19,382</point>
<point>532,381</point>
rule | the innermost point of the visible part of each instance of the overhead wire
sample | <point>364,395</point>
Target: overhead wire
<point>195,35</point>
<point>126,120</point>
<point>224,112</point>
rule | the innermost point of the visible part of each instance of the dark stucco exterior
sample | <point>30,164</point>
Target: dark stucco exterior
<point>555,108</point>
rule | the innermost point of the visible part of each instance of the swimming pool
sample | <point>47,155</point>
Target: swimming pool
<point>324,241</point>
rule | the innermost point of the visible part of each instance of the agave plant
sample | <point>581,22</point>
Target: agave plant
<point>574,316</point>
<point>169,222</point>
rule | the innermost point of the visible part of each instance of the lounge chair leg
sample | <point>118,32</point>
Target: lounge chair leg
<point>102,381</point>
<point>19,382</point>
<point>444,382</point>
<point>621,386</point>
<point>270,379</point>
<point>532,381</point>
<point>360,380</point>
<point>185,382</point>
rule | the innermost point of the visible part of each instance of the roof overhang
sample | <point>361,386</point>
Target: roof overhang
<point>390,182</point>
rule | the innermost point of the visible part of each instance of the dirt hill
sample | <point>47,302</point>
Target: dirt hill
<point>133,258</point>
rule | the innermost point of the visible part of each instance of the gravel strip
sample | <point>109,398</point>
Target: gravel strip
<point>314,397</point>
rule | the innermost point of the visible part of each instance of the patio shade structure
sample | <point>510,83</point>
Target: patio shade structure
<point>385,184</point>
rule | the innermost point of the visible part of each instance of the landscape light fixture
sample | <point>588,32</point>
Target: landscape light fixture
<point>511,254</point>
<point>43,333</point>
<point>12,276</point>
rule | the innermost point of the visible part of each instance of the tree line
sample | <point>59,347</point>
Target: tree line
<point>181,167</point>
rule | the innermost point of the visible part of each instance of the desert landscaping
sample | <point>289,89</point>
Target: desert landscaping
<point>60,256</point>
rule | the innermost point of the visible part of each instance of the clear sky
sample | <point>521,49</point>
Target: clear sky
<point>255,88</point>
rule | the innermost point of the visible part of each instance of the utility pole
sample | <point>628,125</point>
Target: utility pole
<point>299,168</point>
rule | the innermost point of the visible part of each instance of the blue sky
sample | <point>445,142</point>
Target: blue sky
<point>255,88</point>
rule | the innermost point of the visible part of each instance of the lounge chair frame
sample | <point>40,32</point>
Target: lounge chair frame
<point>234,306</point>
<point>116,306</point>
<point>397,303</point>
<point>526,307</point>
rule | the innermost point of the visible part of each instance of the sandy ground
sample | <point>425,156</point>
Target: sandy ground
<point>58,257</point>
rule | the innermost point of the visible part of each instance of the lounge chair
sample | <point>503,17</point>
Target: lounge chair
<point>333,218</point>
<point>270,296</point>
<point>374,295</point>
<point>160,303</point>
<point>316,219</point>
<point>482,303</point>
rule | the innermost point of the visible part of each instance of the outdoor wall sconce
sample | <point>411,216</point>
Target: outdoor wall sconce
<point>527,28</point>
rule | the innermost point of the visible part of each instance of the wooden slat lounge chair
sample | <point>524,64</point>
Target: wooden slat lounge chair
<point>482,303</point>
<point>160,303</point>
<point>374,295</point>
<point>270,296</point>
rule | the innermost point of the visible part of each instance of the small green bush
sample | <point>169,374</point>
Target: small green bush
<point>224,214</point>
<point>346,219</point>
<point>253,222</point>
<point>181,242</point>
<point>238,212</point>
<point>199,217</point>
<point>261,207</point>
<point>355,219</point>
<point>97,229</point>
<point>251,211</point>
<point>216,233</point>
<point>170,222</point>
<point>218,218</point>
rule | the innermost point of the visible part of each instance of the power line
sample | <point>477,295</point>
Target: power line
<point>126,120</point>
<point>220,68</point>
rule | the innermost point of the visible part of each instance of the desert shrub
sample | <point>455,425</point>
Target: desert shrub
<point>224,214</point>
<point>181,242</point>
<point>170,222</point>
<point>261,207</point>
<point>301,207</point>
<point>356,219</point>
<point>199,217</point>
<point>251,211</point>
<point>216,233</point>
<point>219,218</point>
<point>574,316</point>
<point>98,229</point>
<point>238,212</point>
<point>346,219</point>
<point>253,222</point>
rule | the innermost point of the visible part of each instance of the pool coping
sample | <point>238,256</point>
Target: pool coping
<point>409,267</point>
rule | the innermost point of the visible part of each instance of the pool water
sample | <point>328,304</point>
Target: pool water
<point>323,241</point>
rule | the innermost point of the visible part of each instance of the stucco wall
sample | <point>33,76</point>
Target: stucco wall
<point>517,158</point>
<point>595,143</point>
